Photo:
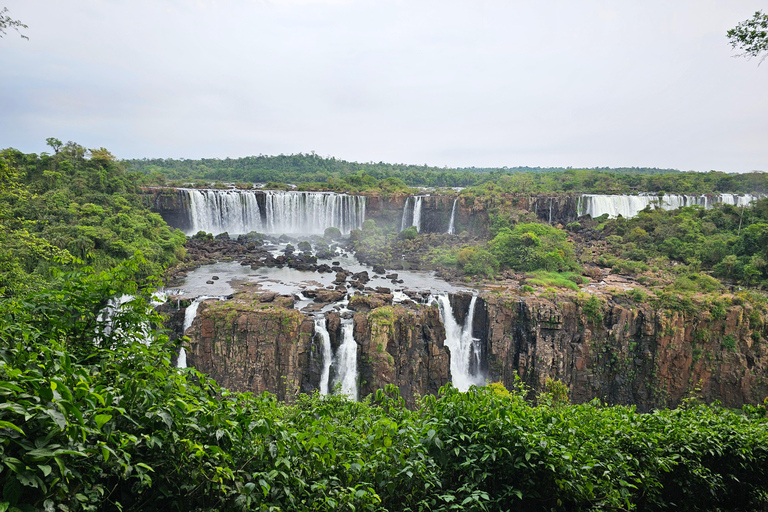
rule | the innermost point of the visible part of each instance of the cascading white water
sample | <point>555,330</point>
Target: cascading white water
<point>321,330</point>
<point>464,348</point>
<point>549,221</point>
<point>189,316</point>
<point>312,212</point>
<point>627,206</point>
<point>418,200</point>
<point>451,228</point>
<point>404,221</point>
<point>346,361</point>
<point>414,211</point>
<point>217,211</point>
<point>238,212</point>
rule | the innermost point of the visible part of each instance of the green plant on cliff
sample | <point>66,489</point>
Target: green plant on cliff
<point>532,246</point>
<point>593,309</point>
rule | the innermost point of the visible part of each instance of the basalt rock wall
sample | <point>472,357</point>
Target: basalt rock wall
<point>622,353</point>
<point>253,343</point>
<point>404,347</point>
<point>628,354</point>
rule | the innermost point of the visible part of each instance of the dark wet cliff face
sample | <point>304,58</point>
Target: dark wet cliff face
<point>621,353</point>
<point>404,347</point>
<point>632,355</point>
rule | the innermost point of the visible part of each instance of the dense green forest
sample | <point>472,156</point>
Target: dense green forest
<point>330,173</point>
<point>94,417</point>
<point>73,208</point>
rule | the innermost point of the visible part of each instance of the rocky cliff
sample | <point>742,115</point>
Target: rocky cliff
<point>628,353</point>
<point>621,353</point>
<point>252,342</point>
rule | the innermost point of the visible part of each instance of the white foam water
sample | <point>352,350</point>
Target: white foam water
<point>321,330</point>
<point>627,206</point>
<point>238,211</point>
<point>464,348</point>
<point>346,361</point>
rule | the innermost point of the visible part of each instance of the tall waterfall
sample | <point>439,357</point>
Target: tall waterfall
<point>451,227</point>
<point>217,211</point>
<point>464,348</point>
<point>346,361</point>
<point>238,211</point>
<point>419,200</point>
<point>312,212</point>
<point>627,206</point>
<point>321,330</point>
<point>412,214</point>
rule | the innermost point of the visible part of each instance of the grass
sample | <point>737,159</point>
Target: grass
<point>556,279</point>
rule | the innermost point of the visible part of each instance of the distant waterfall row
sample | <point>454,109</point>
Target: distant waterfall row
<point>412,215</point>
<point>271,211</point>
<point>627,206</point>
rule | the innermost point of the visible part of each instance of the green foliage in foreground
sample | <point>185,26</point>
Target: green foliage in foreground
<point>93,417</point>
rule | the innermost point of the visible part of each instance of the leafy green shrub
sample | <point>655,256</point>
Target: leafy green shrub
<point>573,226</point>
<point>729,342</point>
<point>527,289</point>
<point>559,280</point>
<point>408,233</point>
<point>477,261</point>
<point>332,233</point>
<point>593,309</point>
<point>638,295</point>
<point>696,283</point>
<point>532,246</point>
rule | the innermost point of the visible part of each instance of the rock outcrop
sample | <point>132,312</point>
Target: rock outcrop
<point>621,353</point>
<point>404,347</point>
<point>249,345</point>
<point>628,354</point>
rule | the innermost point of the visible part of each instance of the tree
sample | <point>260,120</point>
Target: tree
<point>6,22</point>
<point>751,36</point>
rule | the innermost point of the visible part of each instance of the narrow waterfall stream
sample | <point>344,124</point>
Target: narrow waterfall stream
<point>451,227</point>
<point>321,329</point>
<point>189,316</point>
<point>418,201</point>
<point>464,348</point>
<point>346,361</point>
<point>412,213</point>
<point>404,220</point>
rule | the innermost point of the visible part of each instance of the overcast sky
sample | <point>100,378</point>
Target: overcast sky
<point>449,83</point>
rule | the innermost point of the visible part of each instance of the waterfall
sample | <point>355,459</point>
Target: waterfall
<point>321,330</point>
<point>630,205</point>
<point>451,227</point>
<point>550,212</point>
<point>346,361</point>
<point>312,212</point>
<point>217,211</point>
<point>404,221</point>
<point>418,200</point>
<point>415,213</point>
<point>464,349</point>
<point>189,316</point>
<point>238,211</point>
